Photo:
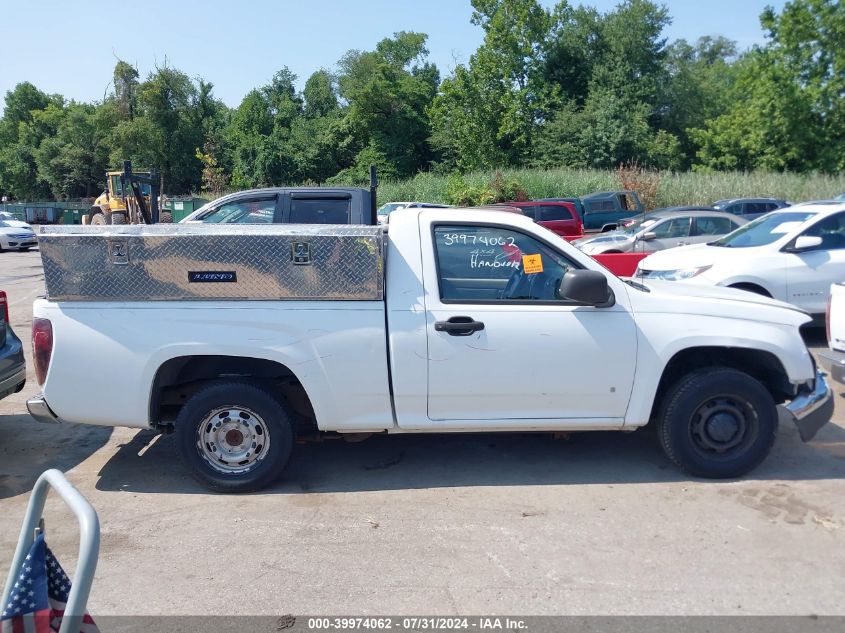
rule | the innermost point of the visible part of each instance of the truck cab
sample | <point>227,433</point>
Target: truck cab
<point>604,209</point>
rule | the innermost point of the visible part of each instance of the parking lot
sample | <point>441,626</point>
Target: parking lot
<point>596,523</point>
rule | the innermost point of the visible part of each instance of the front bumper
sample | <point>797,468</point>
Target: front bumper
<point>812,408</point>
<point>40,410</point>
<point>834,363</point>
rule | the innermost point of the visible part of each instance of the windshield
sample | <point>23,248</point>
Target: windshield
<point>764,230</point>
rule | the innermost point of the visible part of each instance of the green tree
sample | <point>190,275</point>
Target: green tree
<point>125,79</point>
<point>73,161</point>
<point>485,113</point>
<point>320,95</point>
<point>388,92</point>
<point>30,116</point>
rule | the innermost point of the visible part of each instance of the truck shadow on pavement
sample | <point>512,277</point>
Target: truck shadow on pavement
<point>28,449</point>
<point>149,464</point>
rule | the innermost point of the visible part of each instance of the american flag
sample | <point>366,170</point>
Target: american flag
<point>39,595</point>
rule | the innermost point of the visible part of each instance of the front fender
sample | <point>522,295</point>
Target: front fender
<point>660,342</point>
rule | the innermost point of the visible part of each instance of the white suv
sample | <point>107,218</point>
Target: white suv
<point>791,254</point>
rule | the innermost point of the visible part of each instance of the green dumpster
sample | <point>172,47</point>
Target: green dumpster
<point>72,216</point>
<point>181,207</point>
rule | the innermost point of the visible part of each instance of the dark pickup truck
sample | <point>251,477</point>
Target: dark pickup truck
<point>291,205</point>
<point>12,363</point>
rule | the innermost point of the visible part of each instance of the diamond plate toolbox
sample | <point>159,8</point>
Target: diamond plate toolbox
<point>212,262</point>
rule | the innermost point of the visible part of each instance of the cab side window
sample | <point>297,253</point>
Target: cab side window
<point>116,187</point>
<point>319,210</point>
<point>491,264</point>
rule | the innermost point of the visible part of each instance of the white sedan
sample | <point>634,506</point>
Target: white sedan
<point>791,254</point>
<point>17,238</point>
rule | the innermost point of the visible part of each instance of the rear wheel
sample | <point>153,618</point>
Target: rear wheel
<point>118,218</point>
<point>234,437</point>
<point>717,422</point>
<point>165,217</point>
<point>99,219</point>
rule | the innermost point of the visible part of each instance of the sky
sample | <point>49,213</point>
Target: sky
<point>70,47</point>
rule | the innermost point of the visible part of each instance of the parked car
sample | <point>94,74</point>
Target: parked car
<point>16,238</point>
<point>840,197</point>
<point>604,210</point>
<point>12,221</point>
<point>660,230</point>
<point>12,363</point>
<point>791,254</point>
<point>637,218</point>
<point>289,205</point>
<point>560,218</point>
<point>385,210</point>
<point>455,321</point>
<point>750,208</point>
<point>833,358</point>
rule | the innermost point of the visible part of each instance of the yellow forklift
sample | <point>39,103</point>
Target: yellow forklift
<point>129,198</point>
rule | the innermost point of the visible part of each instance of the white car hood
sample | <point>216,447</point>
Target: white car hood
<point>694,256</point>
<point>670,296</point>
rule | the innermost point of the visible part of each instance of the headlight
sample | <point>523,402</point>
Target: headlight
<point>676,275</point>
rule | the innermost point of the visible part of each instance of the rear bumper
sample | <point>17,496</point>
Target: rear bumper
<point>13,383</point>
<point>834,363</point>
<point>40,410</point>
<point>812,408</point>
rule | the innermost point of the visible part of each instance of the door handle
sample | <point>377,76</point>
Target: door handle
<point>459,326</point>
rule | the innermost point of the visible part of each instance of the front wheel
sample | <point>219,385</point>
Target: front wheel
<point>718,423</point>
<point>234,437</point>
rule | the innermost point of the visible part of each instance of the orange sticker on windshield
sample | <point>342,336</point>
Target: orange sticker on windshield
<point>532,264</point>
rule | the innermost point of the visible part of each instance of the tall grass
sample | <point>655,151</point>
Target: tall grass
<point>675,188</point>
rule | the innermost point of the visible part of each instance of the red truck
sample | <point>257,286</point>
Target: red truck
<point>559,217</point>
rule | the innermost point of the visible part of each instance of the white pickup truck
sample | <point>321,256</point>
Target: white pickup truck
<point>237,338</point>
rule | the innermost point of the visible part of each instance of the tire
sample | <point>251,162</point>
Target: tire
<point>99,219</point>
<point>165,217</point>
<point>717,423</point>
<point>118,218</point>
<point>247,417</point>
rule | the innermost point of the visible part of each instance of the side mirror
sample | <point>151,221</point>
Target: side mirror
<point>806,243</point>
<point>647,237</point>
<point>584,286</point>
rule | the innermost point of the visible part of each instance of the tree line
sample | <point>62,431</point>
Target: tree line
<point>566,86</point>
